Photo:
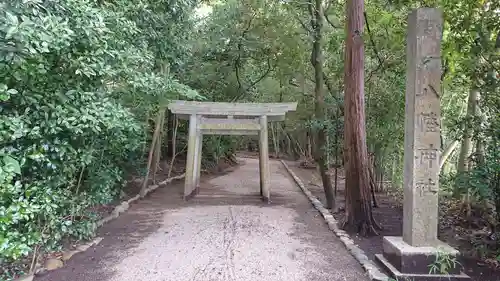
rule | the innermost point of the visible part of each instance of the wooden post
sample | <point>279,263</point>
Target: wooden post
<point>199,143</point>
<point>264,160</point>
<point>197,156</point>
<point>189,186</point>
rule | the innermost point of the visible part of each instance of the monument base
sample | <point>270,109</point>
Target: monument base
<point>405,262</point>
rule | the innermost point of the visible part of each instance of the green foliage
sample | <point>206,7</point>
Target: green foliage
<point>443,263</point>
<point>75,79</point>
<point>60,157</point>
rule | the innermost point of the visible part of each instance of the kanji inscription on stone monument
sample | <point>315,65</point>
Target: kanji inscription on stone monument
<point>428,156</point>
<point>424,186</point>
<point>429,122</point>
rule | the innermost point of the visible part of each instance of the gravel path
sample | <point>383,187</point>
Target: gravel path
<point>224,233</point>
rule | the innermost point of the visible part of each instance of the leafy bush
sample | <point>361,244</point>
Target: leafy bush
<point>60,157</point>
<point>65,137</point>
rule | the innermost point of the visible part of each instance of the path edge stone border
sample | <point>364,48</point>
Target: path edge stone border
<point>117,211</point>
<point>371,269</point>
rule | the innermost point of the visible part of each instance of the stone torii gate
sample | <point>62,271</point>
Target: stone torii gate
<point>222,118</point>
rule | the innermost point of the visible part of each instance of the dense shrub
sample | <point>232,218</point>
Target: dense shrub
<point>71,74</point>
<point>59,157</point>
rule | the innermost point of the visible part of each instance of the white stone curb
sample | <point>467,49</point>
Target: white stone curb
<point>57,263</point>
<point>371,269</point>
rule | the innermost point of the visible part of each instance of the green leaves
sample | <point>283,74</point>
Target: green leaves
<point>11,165</point>
<point>101,137</point>
<point>6,93</point>
<point>67,69</point>
<point>11,19</point>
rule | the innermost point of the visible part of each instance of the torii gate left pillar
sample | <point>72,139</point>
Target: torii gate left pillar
<point>219,118</point>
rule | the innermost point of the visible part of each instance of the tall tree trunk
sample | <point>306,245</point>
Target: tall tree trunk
<point>464,162</point>
<point>274,134</point>
<point>309,145</point>
<point>154,141</point>
<point>466,147</point>
<point>359,216</point>
<point>170,132</point>
<point>479,149</point>
<point>337,164</point>
<point>447,152</point>
<point>327,151</point>
<point>380,186</point>
<point>157,152</point>
<point>316,12</point>
<point>378,168</point>
<point>495,187</point>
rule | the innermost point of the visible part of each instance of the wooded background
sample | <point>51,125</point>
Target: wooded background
<point>84,84</point>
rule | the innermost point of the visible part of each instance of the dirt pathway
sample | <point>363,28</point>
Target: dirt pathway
<point>224,233</point>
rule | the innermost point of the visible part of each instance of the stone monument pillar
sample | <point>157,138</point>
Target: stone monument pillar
<point>411,256</point>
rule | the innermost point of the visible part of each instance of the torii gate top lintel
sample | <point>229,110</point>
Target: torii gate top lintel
<point>224,118</point>
<point>274,111</point>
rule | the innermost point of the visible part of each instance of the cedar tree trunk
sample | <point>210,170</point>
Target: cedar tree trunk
<point>359,215</point>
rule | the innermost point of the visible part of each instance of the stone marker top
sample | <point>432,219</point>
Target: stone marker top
<point>181,108</point>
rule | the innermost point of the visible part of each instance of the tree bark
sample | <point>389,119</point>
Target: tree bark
<point>337,164</point>
<point>446,153</point>
<point>372,189</point>
<point>157,151</point>
<point>359,216</point>
<point>309,145</point>
<point>327,150</point>
<point>466,147</point>
<point>316,12</point>
<point>479,149</point>
<point>464,163</point>
<point>170,130</point>
<point>274,135</point>
<point>156,135</point>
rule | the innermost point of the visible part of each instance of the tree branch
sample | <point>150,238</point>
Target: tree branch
<point>329,21</point>
<point>240,46</point>
<point>379,66</point>
<point>490,63</point>
<point>264,75</point>
<point>325,14</point>
<point>371,38</point>
<point>303,24</point>
<point>269,68</point>
<point>315,31</point>
<point>237,71</point>
<point>497,42</point>
<point>330,88</point>
<point>237,62</point>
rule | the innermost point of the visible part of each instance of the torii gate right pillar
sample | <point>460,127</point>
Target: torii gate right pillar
<point>265,177</point>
